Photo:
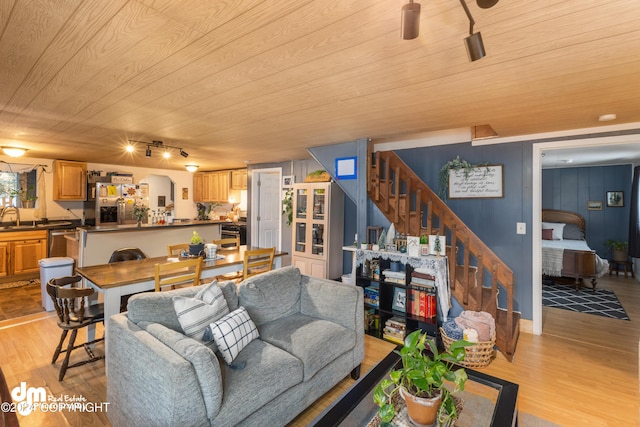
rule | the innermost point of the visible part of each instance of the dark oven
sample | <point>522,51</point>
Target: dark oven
<point>233,229</point>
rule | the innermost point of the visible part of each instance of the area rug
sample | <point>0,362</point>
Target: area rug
<point>602,302</point>
<point>19,284</point>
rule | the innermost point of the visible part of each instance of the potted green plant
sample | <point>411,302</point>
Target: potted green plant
<point>618,250</point>
<point>422,377</point>
<point>140,212</point>
<point>196,245</point>
<point>424,245</point>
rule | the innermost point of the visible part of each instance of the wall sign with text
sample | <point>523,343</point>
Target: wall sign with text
<point>480,182</point>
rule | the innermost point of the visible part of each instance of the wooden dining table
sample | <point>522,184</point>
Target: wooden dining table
<point>128,277</point>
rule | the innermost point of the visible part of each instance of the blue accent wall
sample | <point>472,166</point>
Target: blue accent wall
<point>571,188</point>
<point>492,220</point>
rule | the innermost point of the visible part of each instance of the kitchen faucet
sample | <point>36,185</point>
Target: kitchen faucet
<point>10,209</point>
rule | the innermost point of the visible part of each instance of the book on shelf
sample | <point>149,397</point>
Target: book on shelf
<point>394,274</point>
<point>422,303</point>
<point>395,280</point>
<point>395,322</point>
<point>393,339</point>
<point>372,296</point>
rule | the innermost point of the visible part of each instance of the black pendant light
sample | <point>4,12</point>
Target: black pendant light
<point>410,20</point>
<point>486,4</point>
<point>473,43</point>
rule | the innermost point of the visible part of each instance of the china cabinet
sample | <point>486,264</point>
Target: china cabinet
<point>318,228</point>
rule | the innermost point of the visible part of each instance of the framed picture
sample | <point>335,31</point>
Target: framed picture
<point>481,182</point>
<point>615,199</point>
<point>346,168</point>
<point>162,200</point>
<point>593,205</point>
<point>287,181</point>
<point>399,299</point>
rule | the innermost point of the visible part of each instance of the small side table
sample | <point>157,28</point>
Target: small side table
<point>619,266</point>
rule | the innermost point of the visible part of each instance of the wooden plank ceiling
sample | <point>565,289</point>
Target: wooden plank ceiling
<point>236,80</point>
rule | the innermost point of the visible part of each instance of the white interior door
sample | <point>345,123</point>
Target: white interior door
<point>267,221</point>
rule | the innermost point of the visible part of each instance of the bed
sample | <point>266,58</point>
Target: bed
<point>566,256</point>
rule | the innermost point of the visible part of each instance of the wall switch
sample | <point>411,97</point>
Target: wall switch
<point>521,228</point>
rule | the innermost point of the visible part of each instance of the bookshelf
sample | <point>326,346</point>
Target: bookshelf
<point>402,293</point>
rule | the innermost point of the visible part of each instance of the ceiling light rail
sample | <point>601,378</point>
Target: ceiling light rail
<point>159,145</point>
<point>410,26</point>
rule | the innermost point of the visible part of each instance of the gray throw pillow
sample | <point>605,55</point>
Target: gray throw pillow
<point>196,314</point>
<point>572,232</point>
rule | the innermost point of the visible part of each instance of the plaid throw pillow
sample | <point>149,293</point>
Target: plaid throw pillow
<point>233,332</point>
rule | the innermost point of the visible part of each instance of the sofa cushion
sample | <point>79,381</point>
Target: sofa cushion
<point>269,372</point>
<point>203,360</point>
<point>315,342</point>
<point>271,295</point>
<point>233,332</point>
<point>157,307</point>
<point>196,314</point>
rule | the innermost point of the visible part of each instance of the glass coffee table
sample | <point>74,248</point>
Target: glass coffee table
<point>487,400</point>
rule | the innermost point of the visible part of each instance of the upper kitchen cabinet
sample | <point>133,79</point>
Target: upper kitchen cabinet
<point>69,180</point>
<point>239,179</point>
<point>211,187</point>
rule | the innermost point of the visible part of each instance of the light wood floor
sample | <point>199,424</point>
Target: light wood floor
<point>583,370</point>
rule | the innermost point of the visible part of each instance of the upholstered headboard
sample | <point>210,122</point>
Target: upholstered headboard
<point>567,217</point>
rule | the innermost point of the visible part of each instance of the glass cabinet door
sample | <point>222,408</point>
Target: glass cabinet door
<point>318,239</point>
<point>301,203</point>
<point>301,237</point>
<point>319,204</point>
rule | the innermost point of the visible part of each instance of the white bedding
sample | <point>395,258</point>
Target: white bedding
<point>552,251</point>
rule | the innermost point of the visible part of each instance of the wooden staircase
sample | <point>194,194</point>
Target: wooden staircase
<point>478,274</point>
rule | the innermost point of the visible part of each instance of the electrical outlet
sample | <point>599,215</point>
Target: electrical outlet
<point>521,228</point>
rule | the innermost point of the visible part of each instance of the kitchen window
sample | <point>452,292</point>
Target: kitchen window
<point>17,189</point>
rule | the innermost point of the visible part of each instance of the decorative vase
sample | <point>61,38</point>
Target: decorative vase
<point>196,250</point>
<point>139,223</point>
<point>422,411</point>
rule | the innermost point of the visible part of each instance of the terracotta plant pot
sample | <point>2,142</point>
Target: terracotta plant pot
<point>422,411</point>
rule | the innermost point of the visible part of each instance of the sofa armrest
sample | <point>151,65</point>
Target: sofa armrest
<point>333,301</point>
<point>148,383</point>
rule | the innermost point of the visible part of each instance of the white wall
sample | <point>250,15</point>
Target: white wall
<point>58,210</point>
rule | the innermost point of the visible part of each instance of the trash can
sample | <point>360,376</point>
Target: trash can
<point>53,268</point>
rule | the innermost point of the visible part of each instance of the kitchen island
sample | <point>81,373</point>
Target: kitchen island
<point>93,245</point>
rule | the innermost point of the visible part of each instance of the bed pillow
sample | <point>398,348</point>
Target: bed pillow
<point>572,232</point>
<point>547,234</point>
<point>557,228</point>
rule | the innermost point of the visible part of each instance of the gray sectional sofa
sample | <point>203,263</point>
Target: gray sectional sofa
<point>311,336</point>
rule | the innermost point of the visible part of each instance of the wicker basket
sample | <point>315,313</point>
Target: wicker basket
<point>476,356</point>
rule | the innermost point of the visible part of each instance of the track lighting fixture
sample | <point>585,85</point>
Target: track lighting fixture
<point>410,26</point>
<point>473,43</point>
<point>410,20</point>
<point>166,149</point>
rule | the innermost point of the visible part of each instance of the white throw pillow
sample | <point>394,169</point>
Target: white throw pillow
<point>234,332</point>
<point>196,314</point>
<point>557,227</point>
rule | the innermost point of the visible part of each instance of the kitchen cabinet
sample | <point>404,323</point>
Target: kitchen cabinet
<point>69,180</point>
<point>318,228</point>
<point>239,179</point>
<point>20,251</point>
<point>211,187</point>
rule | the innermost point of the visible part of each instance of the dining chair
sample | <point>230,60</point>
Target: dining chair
<point>178,249</point>
<point>178,273</point>
<point>126,254</point>
<point>229,243</point>
<point>257,261</point>
<point>73,314</point>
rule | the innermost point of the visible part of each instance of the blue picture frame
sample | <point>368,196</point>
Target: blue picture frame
<point>347,168</point>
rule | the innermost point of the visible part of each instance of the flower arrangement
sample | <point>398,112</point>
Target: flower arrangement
<point>140,212</point>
